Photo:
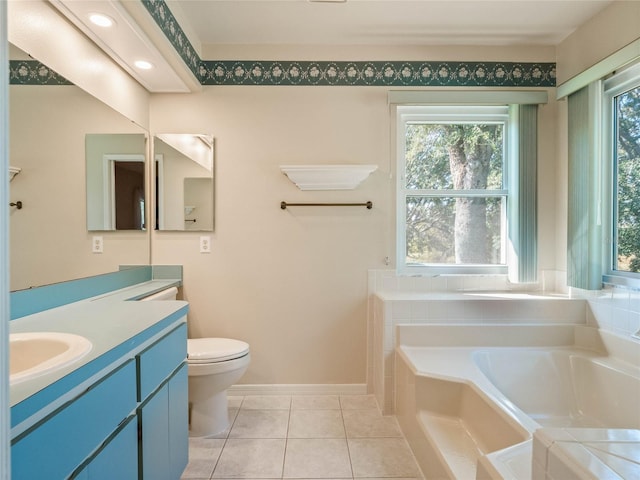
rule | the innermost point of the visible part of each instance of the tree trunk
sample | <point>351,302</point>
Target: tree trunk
<point>469,157</point>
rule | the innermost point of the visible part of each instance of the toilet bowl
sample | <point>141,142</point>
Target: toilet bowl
<point>214,364</point>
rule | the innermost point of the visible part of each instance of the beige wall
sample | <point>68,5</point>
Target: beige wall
<point>612,29</point>
<point>294,283</point>
<point>49,238</point>
<point>291,283</point>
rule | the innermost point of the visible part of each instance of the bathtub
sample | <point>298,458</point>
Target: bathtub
<point>564,387</point>
<point>470,409</point>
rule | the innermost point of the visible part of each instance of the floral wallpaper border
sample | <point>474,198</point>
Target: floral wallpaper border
<point>163,17</point>
<point>397,74</point>
<point>32,72</point>
<point>310,73</point>
<point>412,74</point>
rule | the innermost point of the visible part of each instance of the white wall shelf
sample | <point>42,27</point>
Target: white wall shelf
<point>327,177</point>
<point>13,171</point>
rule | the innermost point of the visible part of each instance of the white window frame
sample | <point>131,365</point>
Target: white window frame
<point>448,114</point>
<point>617,84</point>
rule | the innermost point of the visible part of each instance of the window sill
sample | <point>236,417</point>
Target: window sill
<point>628,281</point>
<point>433,271</point>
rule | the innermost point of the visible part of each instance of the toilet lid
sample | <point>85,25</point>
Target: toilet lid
<point>211,350</point>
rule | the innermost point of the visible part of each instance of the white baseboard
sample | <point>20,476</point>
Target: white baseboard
<point>298,389</point>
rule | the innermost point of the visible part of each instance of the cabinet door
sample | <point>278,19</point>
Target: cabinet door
<point>154,427</point>
<point>64,440</point>
<point>179,422</point>
<point>118,459</point>
<point>165,430</point>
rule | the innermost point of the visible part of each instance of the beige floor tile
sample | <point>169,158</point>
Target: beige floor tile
<point>315,402</point>
<point>358,402</point>
<point>257,446</point>
<point>317,458</point>
<point>266,402</point>
<point>233,413</point>
<point>260,424</point>
<point>251,458</point>
<point>370,423</point>
<point>234,401</point>
<point>316,424</point>
<point>203,456</point>
<point>382,457</point>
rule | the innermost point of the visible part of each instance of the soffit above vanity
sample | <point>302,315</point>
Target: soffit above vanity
<point>133,36</point>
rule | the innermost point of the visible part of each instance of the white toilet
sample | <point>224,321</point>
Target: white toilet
<point>214,365</point>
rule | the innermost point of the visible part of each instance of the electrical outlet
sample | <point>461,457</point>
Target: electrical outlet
<point>205,244</point>
<point>97,245</point>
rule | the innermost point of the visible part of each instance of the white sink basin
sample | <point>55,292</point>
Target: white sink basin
<point>36,353</point>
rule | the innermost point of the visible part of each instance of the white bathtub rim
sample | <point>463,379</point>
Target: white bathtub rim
<point>480,385</point>
<point>578,336</point>
<point>456,364</point>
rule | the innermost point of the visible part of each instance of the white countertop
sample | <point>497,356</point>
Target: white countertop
<point>107,320</point>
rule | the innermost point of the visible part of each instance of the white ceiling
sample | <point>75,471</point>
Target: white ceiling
<point>384,22</point>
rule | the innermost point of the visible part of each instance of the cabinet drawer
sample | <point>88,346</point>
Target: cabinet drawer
<point>55,447</point>
<point>158,361</point>
<point>118,459</point>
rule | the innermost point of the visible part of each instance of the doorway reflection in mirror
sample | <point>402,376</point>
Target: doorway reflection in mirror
<point>115,181</point>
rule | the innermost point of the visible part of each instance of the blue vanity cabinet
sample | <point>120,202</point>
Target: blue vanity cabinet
<point>131,423</point>
<point>55,447</point>
<point>163,412</point>
<point>118,458</point>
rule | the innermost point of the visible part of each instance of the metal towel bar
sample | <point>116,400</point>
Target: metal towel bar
<point>284,205</point>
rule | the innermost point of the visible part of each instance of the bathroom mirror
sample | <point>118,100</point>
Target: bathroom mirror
<point>184,182</point>
<point>49,242</point>
<point>115,165</point>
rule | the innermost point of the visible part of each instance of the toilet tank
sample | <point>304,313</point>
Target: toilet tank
<point>167,294</point>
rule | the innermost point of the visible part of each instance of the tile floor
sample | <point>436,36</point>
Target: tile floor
<point>303,437</point>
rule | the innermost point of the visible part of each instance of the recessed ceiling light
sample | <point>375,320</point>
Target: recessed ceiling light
<point>143,64</point>
<point>101,20</point>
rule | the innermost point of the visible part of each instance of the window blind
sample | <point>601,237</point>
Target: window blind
<point>522,211</point>
<point>584,264</point>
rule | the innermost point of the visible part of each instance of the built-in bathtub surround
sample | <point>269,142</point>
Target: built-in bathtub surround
<point>470,397</point>
<point>449,300</point>
<point>614,308</point>
<point>395,299</point>
<point>580,454</point>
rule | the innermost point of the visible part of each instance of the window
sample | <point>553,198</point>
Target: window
<point>622,157</point>
<point>452,195</point>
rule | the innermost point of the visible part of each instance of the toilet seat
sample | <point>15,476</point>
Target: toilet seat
<point>214,350</point>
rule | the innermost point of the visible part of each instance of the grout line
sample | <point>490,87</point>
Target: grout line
<point>282,477</point>
<point>286,439</point>
<point>346,439</point>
